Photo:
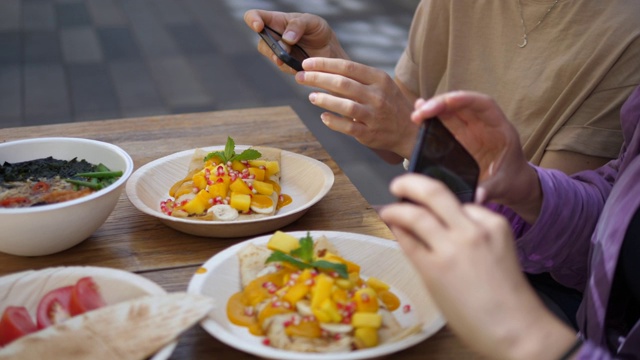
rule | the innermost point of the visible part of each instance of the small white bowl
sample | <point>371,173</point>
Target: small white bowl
<point>47,229</point>
<point>219,278</point>
<point>28,287</point>
<point>305,179</point>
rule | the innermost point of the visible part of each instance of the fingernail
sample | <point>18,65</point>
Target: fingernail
<point>255,25</point>
<point>289,36</point>
<point>299,76</point>
<point>324,119</point>
<point>312,98</point>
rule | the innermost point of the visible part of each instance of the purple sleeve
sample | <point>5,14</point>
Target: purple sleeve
<point>590,351</point>
<point>558,242</point>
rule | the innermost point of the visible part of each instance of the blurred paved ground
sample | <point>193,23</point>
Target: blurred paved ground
<point>77,60</point>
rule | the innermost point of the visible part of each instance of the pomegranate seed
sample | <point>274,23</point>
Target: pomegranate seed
<point>266,342</point>
<point>406,308</point>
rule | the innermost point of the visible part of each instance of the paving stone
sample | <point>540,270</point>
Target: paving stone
<point>135,89</point>
<point>10,15</point>
<point>11,46</point>
<point>46,98</point>
<point>38,15</point>
<point>42,46</point>
<point>229,34</point>
<point>10,95</point>
<point>80,45</point>
<point>191,39</point>
<point>171,11</point>
<point>92,93</point>
<point>118,43</point>
<point>72,14</point>
<point>223,83</point>
<point>149,32</point>
<point>177,83</point>
<point>106,13</point>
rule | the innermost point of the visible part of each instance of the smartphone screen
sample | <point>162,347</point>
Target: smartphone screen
<point>439,155</point>
<point>293,58</point>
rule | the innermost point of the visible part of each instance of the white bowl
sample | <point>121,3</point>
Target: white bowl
<point>47,229</point>
<point>28,287</point>
<point>219,278</point>
<point>305,179</point>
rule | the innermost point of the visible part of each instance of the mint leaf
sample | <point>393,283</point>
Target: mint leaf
<point>229,153</point>
<point>340,269</point>
<point>218,154</point>
<point>249,154</point>
<point>305,251</point>
<point>229,149</point>
<point>278,255</point>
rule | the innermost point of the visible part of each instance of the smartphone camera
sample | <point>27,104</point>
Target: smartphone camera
<point>292,58</point>
<point>439,155</point>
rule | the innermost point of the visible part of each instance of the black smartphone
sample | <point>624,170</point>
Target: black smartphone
<point>293,58</point>
<point>439,155</point>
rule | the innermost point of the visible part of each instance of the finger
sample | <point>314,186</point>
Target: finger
<point>343,86</point>
<point>362,74</point>
<point>342,124</point>
<point>432,194</point>
<point>418,221</point>
<point>347,107</point>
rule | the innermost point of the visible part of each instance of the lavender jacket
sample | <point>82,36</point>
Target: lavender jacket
<point>578,236</point>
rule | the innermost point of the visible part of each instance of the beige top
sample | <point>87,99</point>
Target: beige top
<point>563,91</point>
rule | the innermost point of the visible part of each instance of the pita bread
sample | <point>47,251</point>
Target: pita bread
<point>133,329</point>
<point>252,260</point>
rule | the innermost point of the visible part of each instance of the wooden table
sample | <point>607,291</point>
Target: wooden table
<point>139,243</point>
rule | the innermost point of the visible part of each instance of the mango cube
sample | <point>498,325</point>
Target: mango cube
<point>240,187</point>
<point>321,291</point>
<point>240,202</point>
<point>219,189</point>
<point>283,242</point>
<point>263,187</point>
<point>295,293</point>
<point>257,173</point>
<point>198,204</point>
<point>366,300</point>
<point>273,168</point>
<point>377,284</point>
<point>237,165</point>
<point>366,319</point>
<point>199,181</point>
<point>368,337</point>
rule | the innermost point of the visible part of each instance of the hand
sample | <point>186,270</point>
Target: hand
<point>374,109</point>
<point>308,31</point>
<point>465,255</point>
<point>483,129</point>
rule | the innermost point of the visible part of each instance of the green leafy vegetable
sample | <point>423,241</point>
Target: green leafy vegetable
<point>229,153</point>
<point>302,258</point>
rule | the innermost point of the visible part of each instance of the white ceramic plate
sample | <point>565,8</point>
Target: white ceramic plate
<point>28,287</point>
<point>219,278</point>
<point>305,179</point>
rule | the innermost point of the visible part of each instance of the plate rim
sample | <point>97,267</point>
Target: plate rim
<point>216,330</point>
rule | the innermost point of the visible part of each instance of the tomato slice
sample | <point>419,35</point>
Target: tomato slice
<point>85,296</point>
<point>15,322</point>
<point>54,307</point>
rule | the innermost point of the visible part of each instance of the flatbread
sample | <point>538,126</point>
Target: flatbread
<point>252,260</point>
<point>133,329</point>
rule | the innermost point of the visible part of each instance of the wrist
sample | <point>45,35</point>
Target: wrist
<point>529,201</point>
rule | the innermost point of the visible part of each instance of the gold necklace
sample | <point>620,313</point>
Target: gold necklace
<point>525,40</point>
